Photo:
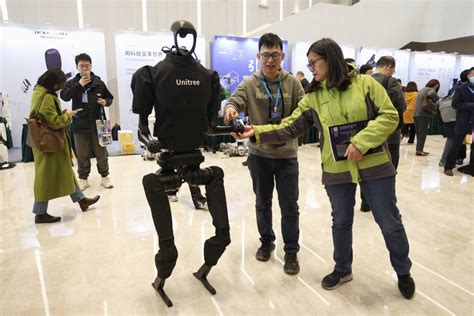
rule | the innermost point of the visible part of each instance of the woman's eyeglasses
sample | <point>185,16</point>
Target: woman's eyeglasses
<point>310,65</point>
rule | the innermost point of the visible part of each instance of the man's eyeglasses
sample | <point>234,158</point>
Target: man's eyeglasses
<point>274,56</point>
<point>310,65</point>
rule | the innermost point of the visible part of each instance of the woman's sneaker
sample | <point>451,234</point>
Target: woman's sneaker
<point>335,279</point>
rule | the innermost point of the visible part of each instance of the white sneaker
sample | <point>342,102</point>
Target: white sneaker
<point>83,184</point>
<point>106,183</point>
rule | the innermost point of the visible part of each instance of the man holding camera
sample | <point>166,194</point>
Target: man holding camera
<point>89,96</point>
<point>268,96</point>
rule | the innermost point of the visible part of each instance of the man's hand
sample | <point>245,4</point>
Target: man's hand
<point>230,115</point>
<point>248,132</point>
<point>84,80</point>
<point>352,153</point>
<point>101,102</point>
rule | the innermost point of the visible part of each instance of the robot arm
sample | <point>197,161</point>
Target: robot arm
<point>142,104</point>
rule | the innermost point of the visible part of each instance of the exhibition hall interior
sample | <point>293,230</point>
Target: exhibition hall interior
<point>236,157</point>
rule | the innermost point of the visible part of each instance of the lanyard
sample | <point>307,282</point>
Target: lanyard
<point>270,98</point>
<point>471,89</point>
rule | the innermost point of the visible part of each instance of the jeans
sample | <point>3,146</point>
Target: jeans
<point>84,143</point>
<point>447,149</point>
<point>380,194</point>
<point>454,152</point>
<point>42,207</point>
<point>265,173</point>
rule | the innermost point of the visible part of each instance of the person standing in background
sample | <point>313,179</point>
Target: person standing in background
<point>366,69</point>
<point>304,82</point>
<point>90,95</point>
<point>422,116</point>
<point>411,91</point>
<point>463,102</point>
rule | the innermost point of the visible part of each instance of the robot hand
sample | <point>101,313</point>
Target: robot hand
<point>144,136</point>
<point>236,127</point>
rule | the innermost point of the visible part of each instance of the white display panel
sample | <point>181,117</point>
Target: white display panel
<point>402,65</point>
<point>402,60</point>
<point>463,62</point>
<point>27,52</point>
<point>426,66</point>
<point>137,49</point>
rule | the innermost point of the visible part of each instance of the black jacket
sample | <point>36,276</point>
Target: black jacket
<point>463,102</point>
<point>185,96</point>
<point>84,121</point>
<point>395,93</point>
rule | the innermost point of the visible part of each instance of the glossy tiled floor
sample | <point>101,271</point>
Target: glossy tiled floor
<point>101,262</point>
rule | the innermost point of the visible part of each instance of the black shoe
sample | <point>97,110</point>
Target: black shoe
<point>459,162</point>
<point>406,285</point>
<point>46,218</point>
<point>364,207</point>
<point>265,252</point>
<point>291,264</point>
<point>86,202</point>
<point>335,279</point>
<point>448,172</point>
<point>245,163</point>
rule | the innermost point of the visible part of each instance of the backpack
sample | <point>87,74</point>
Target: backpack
<point>392,94</point>
<point>448,113</point>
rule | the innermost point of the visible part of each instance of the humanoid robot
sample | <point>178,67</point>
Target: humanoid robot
<point>185,96</point>
<point>5,121</point>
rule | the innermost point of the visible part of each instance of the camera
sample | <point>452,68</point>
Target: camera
<point>86,74</point>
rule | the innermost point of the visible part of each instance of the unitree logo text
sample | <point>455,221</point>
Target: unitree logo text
<point>187,82</point>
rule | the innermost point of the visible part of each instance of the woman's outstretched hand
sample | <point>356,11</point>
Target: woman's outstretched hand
<point>248,132</point>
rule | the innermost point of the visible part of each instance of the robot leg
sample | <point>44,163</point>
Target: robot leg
<point>199,200</point>
<point>215,246</point>
<point>165,260</point>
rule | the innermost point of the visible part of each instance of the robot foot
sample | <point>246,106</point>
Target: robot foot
<point>201,275</point>
<point>158,285</point>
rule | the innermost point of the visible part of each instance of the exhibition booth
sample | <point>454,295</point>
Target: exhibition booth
<point>26,52</point>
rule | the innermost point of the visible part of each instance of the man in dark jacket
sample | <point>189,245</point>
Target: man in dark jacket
<point>384,69</point>
<point>89,95</point>
<point>463,102</point>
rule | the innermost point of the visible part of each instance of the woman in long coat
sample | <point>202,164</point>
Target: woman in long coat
<point>54,176</point>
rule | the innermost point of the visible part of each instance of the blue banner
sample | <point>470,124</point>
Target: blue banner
<point>235,58</point>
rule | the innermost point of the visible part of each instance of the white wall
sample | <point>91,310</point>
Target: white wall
<point>380,23</point>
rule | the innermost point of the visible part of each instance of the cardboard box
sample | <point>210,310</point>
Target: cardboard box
<point>128,148</point>
<point>125,137</point>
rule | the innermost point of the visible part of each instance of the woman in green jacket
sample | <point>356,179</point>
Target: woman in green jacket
<point>339,96</point>
<point>54,176</point>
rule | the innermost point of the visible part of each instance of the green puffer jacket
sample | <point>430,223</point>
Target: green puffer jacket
<point>329,107</point>
<point>54,176</point>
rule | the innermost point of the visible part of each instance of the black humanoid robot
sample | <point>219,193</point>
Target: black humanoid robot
<point>185,97</point>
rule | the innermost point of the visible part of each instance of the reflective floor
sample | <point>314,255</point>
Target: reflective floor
<point>102,262</point>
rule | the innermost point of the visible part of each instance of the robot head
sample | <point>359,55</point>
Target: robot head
<point>183,28</point>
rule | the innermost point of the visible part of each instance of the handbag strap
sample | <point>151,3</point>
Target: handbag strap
<point>41,103</point>
<point>58,110</point>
